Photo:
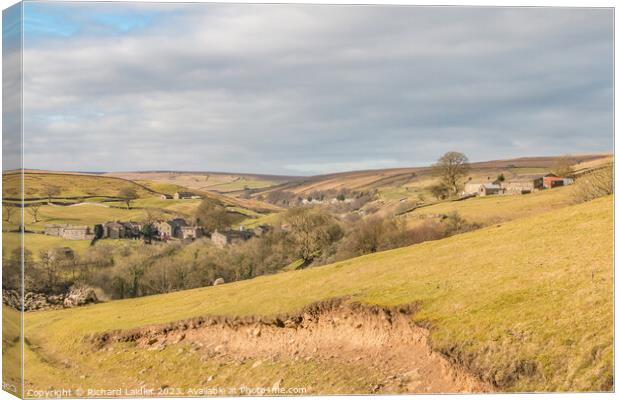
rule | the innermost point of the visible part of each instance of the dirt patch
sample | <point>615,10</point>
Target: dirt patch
<point>383,339</point>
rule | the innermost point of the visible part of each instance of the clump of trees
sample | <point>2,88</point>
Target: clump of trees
<point>454,224</point>
<point>212,216</point>
<point>312,231</point>
<point>451,168</point>
<point>375,234</point>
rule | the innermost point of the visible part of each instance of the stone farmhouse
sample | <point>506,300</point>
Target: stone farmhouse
<point>70,232</point>
<point>170,229</point>
<point>482,188</point>
<point>487,189</point>
<point>521,184</point>
<point>177,228</point>
<point>113,230</point>
<point>229,236</point>
<point>121,230</point>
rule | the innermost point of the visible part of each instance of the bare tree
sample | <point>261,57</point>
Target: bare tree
<point>128,194</point>
<point>8,212</point>
<point>563,167</point>
<point>51,191</point>
<point>451,168</point>
<point>50,268</point>
<point>34,211</point>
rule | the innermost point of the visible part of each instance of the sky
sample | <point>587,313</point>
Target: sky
<point>310,89</point>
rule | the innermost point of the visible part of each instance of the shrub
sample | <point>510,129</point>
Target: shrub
<point>455,224</point>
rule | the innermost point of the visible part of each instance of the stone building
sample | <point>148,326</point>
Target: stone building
<point>487,189</point>
<point>132,229</point>
<point>170,229</point>
<point>523,184</point>
<point>113,230</point>
<point>78,232</point>
<point>226,237</point>
<point>54,229</point>
<point>70,232</point>
<point>191,232</point>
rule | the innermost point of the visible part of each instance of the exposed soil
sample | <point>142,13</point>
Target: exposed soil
<point>380,338</point>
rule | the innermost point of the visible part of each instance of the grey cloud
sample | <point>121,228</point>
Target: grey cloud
<point>298,89</point>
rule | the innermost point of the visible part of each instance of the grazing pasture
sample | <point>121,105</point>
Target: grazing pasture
<point>527,306</point>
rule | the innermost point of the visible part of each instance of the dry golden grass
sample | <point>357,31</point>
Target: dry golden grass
<point>71,185</point>
<point>498,208</point>
<point>527,305</point>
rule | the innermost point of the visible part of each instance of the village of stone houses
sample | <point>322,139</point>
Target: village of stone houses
<point>164,258</point>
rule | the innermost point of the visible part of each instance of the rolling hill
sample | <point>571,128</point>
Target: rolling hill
<point>524,306</point>
<point>422,176</point>
<point>221,182</point>
<point>70,185</point>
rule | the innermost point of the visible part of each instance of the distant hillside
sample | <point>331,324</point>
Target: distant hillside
<point>70,185</point>
<point>221,182</point>
<point>373,179</point>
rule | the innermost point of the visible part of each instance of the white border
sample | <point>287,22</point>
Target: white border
<point>483,3</point>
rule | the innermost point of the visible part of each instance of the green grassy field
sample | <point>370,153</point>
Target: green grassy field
<point>528,304</point>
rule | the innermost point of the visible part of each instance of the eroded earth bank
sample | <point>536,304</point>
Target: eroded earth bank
<point>379,339</point>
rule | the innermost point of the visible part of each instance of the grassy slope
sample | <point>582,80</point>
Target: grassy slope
<point>538,290</point>
<point>397,177</point>
<point>494,209</point>
<point>200,180</point>
<point>71,185</point>
<point>11,349</point>
<point>240,184</point>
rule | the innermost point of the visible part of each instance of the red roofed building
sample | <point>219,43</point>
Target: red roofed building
<point>552,180</point>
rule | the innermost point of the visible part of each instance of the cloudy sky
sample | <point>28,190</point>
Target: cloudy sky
<point>301,89</point>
